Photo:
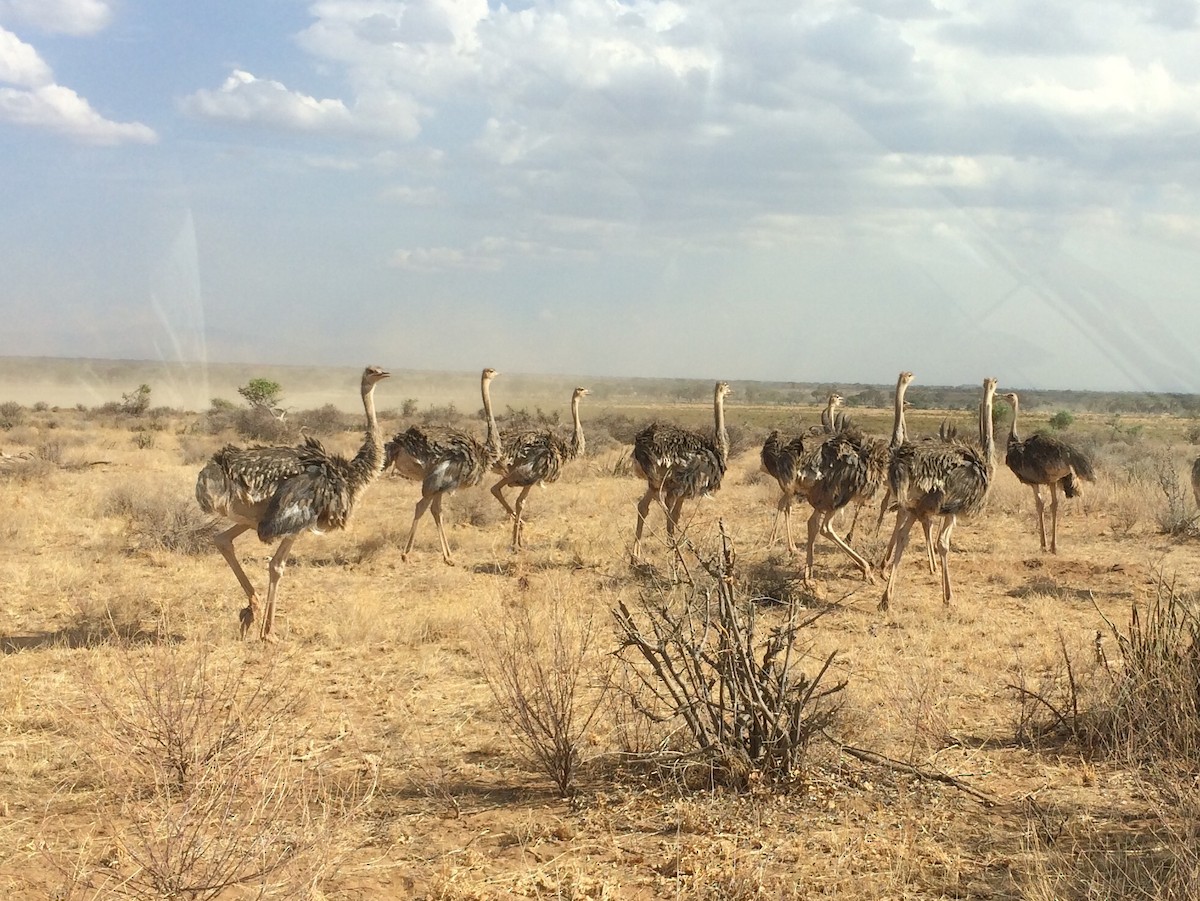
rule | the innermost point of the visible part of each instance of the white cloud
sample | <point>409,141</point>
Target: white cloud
<point>37,101</point>
<point>58,109</point>
<point>20,63</point>
<point>1116,90</point>
<point>77,17</point>
<point>441,259</point>
<point>410,196</point>
<point>247,99</point>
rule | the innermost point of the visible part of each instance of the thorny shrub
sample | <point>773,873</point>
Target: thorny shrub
<point>701,664</point>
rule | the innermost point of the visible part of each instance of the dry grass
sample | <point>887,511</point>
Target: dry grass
<point>96,559</point>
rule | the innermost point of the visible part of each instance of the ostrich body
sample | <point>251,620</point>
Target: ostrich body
<point>947,433</point>
<point>1196,480</point>
<point>678,465</point>
<point>936,480</point>
<point>1042,460</point>
<point>792,463</point>
<point>851,467</point>
<point>282,492</point>
<point>535,457</point>
<point>443,460</point>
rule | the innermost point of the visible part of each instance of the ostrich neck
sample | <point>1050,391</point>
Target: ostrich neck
<point>577,440</point>
<point>719,428</point>
<point>370,456</point>
<point>493,434</point>
<point>899,435</point>
<point>1012,429</point>
<point>985,427</point>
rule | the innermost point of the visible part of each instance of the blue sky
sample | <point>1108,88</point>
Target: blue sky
<point>827,191</point>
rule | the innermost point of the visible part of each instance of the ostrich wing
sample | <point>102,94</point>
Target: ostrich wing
<point>245,476</point>
<point>534,457</point>
<point>317,498</point>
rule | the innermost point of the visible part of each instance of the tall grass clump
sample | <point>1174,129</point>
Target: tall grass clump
<point>1141,708</point>
<point>1141,704</point>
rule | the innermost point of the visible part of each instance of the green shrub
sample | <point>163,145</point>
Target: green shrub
<point>1061,420</point>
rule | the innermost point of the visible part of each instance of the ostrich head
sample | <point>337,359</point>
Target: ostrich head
<point>580,392</point>
<point>489,374</point>
<point>836,400</point>
<point>723,390</point>
<point>372,375</point>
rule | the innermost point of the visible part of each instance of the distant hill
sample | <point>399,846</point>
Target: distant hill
<point>192,386</point>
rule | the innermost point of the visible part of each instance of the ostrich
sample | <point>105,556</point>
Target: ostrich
<point>282,492</point>
<point>535,458</point>
<point>944,480</point>
<point>678,465</point>
<point>793,465</point>
<point>443,460</point>
<point>947,433</point>
<point>1196,480</point>
<point>831,420</point>
<point>1042,460</point>
<point>781,460</point>
<point>851,467</point>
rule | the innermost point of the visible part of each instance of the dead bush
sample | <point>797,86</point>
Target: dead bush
<point>160,519</point>
<point>547,677</point>
<point>26,469</point>
<point>203,794</point>
<point>260,424</point>
<point>1176,516</point>
<point>326,420</point>
<point>12,414</point>
<point>742,699</point>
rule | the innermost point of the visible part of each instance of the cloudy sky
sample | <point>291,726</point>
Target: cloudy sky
<point>810,191</point>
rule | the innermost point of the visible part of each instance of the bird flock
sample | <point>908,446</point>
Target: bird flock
<point>282,492</point>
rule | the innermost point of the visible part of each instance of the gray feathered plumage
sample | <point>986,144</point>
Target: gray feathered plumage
<point>795,465</point>
<point>535,457</point>
<point>281,492</point>
<point>1045,460</point>
<point>849,466</point>
<point>679,464</point>
<point>939,480</point>
<point>443,460</point>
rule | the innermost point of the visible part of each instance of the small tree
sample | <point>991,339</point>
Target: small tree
<point>264,394</point>
<point>261,392</point>
<point>1061,420</point>
<point>135,403</point>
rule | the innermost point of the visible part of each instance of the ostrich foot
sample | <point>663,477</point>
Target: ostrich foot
<point>246,618</point>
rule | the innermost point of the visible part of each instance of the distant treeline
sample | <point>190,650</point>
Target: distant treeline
<point>922,397</point>
<point>524,389</point>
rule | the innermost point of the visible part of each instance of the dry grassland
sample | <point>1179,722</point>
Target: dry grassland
<point>364,756</point>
